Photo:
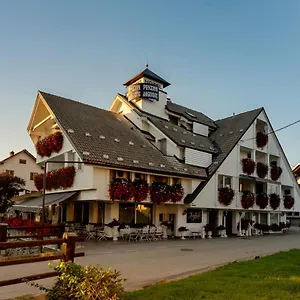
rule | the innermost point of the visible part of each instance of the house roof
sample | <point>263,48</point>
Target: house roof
<point>229,133</point>
<point>106,138</point>
<point>148,74</point>
<point>15,154</point>
<point>190,114</point>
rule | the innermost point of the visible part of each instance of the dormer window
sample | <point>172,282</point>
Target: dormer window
<point>173,120</point>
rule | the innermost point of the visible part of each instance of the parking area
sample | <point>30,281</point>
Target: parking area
<point>146,263</point>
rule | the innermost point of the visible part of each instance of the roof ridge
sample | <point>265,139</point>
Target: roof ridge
<point>241,113</point>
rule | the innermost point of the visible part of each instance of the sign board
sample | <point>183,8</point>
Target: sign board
<point>143,90</point>
<point>194,215</point>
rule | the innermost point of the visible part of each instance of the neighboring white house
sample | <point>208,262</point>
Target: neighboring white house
<point>146,136</point>
<point>21,164</point>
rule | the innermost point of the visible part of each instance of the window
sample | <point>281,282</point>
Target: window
<point>248,155</point>
<point>273,163</point>
<point>162,145</point>
<point>173,120</point>
<point>32,175</point>
<point>22,161</point>
<point>287,192</point>
<point>140,176</point>
<point>224,181</point>
<point>10,172</point>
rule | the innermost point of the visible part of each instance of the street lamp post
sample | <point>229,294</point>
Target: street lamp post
<point>44,183</point>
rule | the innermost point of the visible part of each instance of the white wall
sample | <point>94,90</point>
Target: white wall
<point>200,129</point>
<point>197,158</point>
<point>22,170</point>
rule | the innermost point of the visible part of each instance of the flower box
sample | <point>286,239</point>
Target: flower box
<point>226,195</point>
<point>275,172</point>
<point>50,144</point>
<point>248,166</point>
<point>274,201</point>
<point>261,139</point>
<point>261,170</point>
<point>288,201</point>
<point>247,200</point>
<point>262,200</point>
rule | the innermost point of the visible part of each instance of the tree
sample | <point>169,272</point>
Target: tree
<point>10,186</point>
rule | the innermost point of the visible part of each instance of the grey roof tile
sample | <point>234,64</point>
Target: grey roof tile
<point>83,118</point>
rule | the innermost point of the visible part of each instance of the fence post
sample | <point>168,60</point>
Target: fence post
<point>3,232</point>
<point>68,248</point>
<point>61,230</point>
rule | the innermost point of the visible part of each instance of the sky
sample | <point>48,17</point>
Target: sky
<point>221,57</point>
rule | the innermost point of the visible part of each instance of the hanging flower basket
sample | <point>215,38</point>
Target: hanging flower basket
<point>226,195</point>
<point>177,193</point>
<point>288,201</point>
<point>247,200</point>
<point>275,172</point>
<point>262,200</point>
<point>261,139</point>
<point>57,179</point>
<point>121,189</point>
<point>248,166</point>
<point>160,192</point>
<point>50,144</point>
<point>141,190</point>
<point>274,201</point>
<point>261,170</point>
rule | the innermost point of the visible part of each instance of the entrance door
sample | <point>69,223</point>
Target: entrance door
<point>229,223</point>
<point>213,220</point>
<point>86,211</point>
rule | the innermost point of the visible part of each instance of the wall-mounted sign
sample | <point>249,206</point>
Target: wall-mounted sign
<point>194,215</point>
<point>143,90</point>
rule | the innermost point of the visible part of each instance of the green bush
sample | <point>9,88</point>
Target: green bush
<point>84,283</point>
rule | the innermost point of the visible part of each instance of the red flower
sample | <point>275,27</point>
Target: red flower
<point>56,179</point>
<point>50,144</point>
<point>261,139</point>
<point>121,189</point>
<point>160,192</point>
<point>248,166</point>
<point>262,200</point>
<point>288,201</point>
<point>274,201</point>
<point>141,190</point>
<point>247,199</point>
<point>177,193</point>
<point>226,195</point>
<point>275,172</point>
<point>261,170</point>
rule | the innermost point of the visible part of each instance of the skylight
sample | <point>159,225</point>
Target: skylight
<point>190,114</point>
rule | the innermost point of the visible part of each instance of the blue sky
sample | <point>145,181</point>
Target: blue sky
<point>221,57</point>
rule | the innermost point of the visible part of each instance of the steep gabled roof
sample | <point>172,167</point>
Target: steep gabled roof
<point>124,144</point>
<point>190,114</point>
<point>148,74</point>
<point>15,154</point>
<point>230,131</point>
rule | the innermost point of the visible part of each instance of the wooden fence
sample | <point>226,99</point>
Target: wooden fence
<point>67,242</point>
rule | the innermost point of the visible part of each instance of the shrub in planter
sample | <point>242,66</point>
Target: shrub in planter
<point>262,200</point>
<point>261,170</point>
<point>275,172</point>
<point>257,226</point>
<point>275,227</point>
<point>167,224</point>
<point>244,224</point>
<point>274,201</point>
<point>248,166</point>
<point>221,227</point>
<point>265,227</point>
<point>226,195</point>
<point>261,139</point>
<point>208,227</point>
<point>182,229</point>
<point>114,223</point>
<point>247,200</point>
<point>288,201</point>
<point>282,225</point>
<point>83,283</point>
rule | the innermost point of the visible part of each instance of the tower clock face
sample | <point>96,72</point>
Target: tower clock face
<point>147,91</point>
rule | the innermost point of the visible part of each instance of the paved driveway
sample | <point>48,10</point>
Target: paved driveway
<point>146,263</point>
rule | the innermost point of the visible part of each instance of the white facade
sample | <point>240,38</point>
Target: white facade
<point>22,165</point>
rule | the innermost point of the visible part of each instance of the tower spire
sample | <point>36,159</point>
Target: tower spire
<point>146,64</point>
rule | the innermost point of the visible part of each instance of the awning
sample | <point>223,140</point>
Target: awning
<point>35,204</point>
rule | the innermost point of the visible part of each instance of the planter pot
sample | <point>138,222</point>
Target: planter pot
<point>223,233</point>
<point>164,230</point>
<point>209,234</point>
<point>115,233</point>
<point>182,235</point>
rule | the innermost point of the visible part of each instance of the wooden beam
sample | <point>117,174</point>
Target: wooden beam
<point>42,122</point>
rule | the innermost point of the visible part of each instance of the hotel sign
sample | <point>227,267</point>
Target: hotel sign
<point>143,90</point>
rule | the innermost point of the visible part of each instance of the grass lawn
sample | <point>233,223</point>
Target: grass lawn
<point>273,277</point>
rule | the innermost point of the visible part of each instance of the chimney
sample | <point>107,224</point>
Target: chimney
<point>11,153</point>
